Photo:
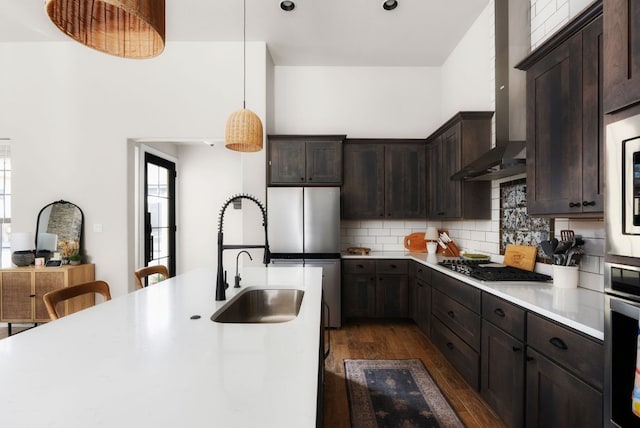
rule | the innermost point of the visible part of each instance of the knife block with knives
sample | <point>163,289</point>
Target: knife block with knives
<point>446,246</point>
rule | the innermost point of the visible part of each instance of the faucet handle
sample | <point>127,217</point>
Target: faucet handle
<point>226,284</point>
<point>237,281</point>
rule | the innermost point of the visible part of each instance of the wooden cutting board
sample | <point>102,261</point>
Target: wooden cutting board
<point>415,242</point>
<point>520,256</point>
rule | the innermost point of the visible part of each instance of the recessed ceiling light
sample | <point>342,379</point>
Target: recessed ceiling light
<point>389,4</point>
<point>287,5</point>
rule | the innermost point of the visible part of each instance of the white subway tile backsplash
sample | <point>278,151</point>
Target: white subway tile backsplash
<point>400,232</point>
<point>386,239</point>
<point>357,232</point>
<point>477,235</point>
<point>393,224</point>
<point>372,224</point>
<point>393,247</point>
<point>591,281</point>
<point>379,232</point>
<point>415,224</point>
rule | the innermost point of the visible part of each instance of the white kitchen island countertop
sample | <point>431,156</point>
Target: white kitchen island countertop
<point>578,308</point>
<point>140,360</point>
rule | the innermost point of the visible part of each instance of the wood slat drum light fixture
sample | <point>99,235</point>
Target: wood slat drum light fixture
<point>124,28</point>
<point>243,132</point>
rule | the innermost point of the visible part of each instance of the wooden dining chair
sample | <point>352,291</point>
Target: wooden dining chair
<point>52,298</point>
<point>145,272</point>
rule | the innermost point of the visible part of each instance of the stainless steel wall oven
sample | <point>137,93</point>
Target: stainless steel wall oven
<point>622,280</point>
<point>622,310</point>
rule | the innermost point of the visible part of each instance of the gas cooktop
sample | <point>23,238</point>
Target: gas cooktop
<point>487,271</point>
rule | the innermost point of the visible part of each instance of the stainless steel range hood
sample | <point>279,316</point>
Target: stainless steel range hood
<point>500,162</point>
<point>512,39</point>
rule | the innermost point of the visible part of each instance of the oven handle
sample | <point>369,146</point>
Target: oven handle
<point>625,307</point>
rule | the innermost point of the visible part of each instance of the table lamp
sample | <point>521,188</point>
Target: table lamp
<point>22,244</point>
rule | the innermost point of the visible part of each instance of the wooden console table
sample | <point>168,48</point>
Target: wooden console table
<point>22,288</point>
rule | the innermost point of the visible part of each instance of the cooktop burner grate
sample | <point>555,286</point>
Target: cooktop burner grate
<point>489,272</point>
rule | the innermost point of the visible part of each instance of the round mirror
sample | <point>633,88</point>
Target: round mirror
<point>59,228</point>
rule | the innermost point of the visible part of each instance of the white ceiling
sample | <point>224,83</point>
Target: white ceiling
<point>317,32</point>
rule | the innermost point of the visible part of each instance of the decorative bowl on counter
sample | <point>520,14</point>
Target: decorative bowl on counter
<point>363,251</point>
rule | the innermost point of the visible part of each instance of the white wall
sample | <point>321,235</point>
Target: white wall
<point>467,74</point>
<point>69,112</point>
<point>365,102</point>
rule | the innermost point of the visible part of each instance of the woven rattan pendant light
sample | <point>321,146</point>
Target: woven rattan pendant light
<point>125,28</point>
<point>243,132</point>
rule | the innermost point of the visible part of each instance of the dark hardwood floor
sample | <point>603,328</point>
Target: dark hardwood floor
<point>371,339</point>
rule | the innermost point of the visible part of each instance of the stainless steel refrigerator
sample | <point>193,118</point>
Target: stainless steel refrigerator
<point>304,230</point>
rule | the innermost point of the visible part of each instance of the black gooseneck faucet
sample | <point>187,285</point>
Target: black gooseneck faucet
<point>221,280</point>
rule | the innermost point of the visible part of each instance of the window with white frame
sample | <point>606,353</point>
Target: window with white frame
<point>5,202</point>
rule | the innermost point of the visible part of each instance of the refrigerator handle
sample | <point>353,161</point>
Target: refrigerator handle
<point>327,329</point>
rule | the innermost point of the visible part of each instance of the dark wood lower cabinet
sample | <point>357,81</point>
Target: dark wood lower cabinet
<point>379,290</point>
<point>463,357</point>
<point>502,374</point>
<point>392,296</point>
<point>532,371</point>
<point>557,398</point>
<point>358,295</point>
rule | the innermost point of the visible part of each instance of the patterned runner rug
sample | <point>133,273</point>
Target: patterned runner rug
<point>395,393</point>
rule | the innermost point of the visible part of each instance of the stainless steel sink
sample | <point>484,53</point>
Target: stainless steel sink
<point>261,306</point>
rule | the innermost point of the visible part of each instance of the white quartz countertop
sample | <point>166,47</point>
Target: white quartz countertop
<point>140,360</point>
<point>577,308</point>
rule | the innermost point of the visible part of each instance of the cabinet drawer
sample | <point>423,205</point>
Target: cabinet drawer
<point>392,266</point>
<point>462,321</point>
<point>358,266</point>
<point>457,290</point>
<point>503,314</point>
<point>420,272</point>
<point>463,358</point>
<point>577,353</point>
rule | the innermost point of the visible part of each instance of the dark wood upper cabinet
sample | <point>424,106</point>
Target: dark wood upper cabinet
<point>565,120</point>
<point>384,179</point>
<point>405,180</point>
<point>304,160</point>
<point>621,54</point>
<point>455,144</point>
<point>363,187</point>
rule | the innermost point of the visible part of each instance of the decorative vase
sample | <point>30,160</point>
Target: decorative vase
<point>75,262</point>
<point>23,258</point>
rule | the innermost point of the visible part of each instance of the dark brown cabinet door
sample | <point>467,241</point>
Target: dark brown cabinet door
<point>363,187</point>
<point>455,144</point>
<point>556,398</point>
<point>287,162</point>
<point>593,119</point>
<point>405,181</point>
<point>304,160</point>
<point>554,136</point>
<point>392,296</point>
<point>434,178</point>
<point>422,306</point>
<point>565,120</point>
<point>452,190</point>
<point>621,54</point>
<point>324,162</point>
<point>502,374</point>
<point>359,296</point>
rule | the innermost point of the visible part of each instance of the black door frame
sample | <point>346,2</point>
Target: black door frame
<point>150,158</point>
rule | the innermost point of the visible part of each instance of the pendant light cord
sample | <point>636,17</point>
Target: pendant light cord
<point>244,52</point>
